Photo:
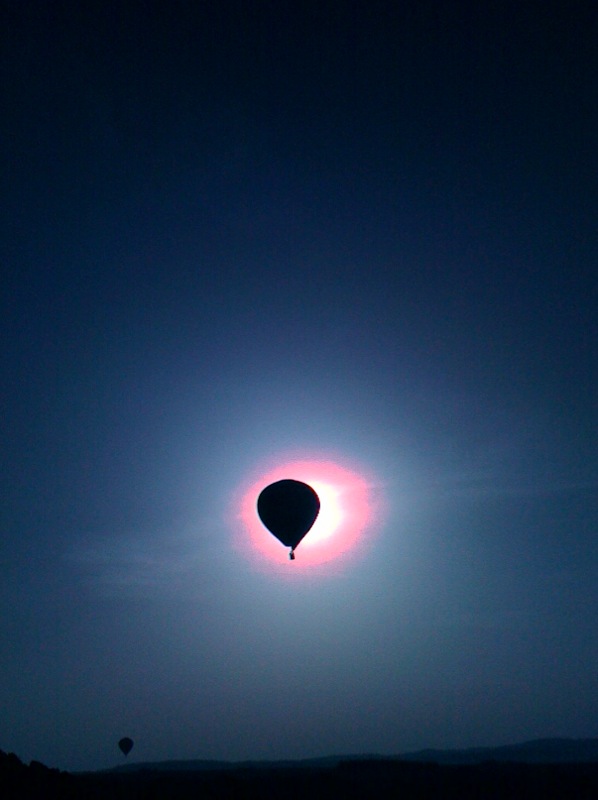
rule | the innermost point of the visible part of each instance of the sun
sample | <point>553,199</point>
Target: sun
<point>345,512</point>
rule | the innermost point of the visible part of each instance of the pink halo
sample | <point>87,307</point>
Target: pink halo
<point>345,512</point>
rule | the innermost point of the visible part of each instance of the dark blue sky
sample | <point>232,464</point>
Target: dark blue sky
<point>238,231</point>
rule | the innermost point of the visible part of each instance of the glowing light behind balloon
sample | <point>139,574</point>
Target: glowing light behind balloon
<point>345,512</point>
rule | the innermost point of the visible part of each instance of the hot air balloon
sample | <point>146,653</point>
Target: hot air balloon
<point>126,745</point>
<point>288,509</point>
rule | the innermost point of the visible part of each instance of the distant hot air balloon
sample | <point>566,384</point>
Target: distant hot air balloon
<point>126,745</point>
<point>288,509</point>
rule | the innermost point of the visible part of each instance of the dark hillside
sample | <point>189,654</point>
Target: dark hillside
<point>352,779</point>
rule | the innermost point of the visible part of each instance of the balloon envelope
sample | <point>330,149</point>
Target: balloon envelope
<point>126,745</point>
<point>288,509</point>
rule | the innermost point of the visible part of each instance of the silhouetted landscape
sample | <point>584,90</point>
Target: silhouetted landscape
<point>551,768</point>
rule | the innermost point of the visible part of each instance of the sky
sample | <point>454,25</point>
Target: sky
<point>352,243</point>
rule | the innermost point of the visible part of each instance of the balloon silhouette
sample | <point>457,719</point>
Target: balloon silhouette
<point>288,509</point>
<point>126,745</point>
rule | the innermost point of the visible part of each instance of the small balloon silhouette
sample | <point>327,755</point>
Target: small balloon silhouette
<point>288,508</point>
<point>126,745</point>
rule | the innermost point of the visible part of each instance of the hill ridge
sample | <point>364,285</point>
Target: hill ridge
<point>536,751</point>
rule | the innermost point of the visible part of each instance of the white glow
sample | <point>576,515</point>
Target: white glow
<point>330,517</point>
